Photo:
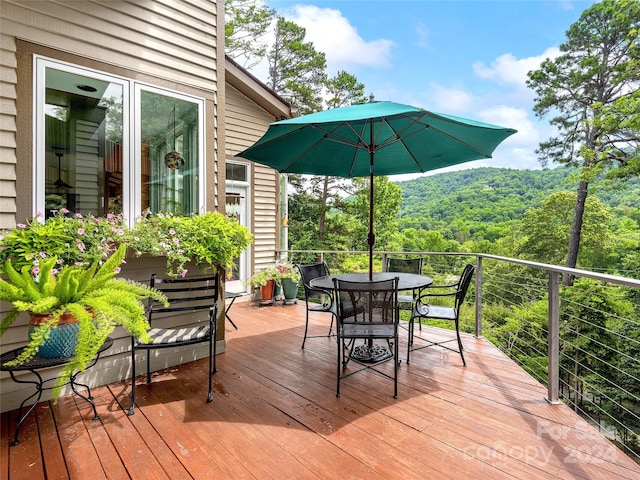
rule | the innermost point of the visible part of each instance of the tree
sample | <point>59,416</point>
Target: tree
<point>546,229</point>
<point>596,74</point>
<point>296,68</point>
<point>388,197</point>
<point>246,23</point>
<point>344,89</point>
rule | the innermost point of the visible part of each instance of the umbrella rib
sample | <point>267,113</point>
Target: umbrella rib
<point>397,137</point>
<point>470,147</point>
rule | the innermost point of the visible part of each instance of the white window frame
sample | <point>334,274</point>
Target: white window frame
<point>131,174</point>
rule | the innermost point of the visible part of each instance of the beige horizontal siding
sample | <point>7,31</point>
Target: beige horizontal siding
<point>8,111</point>
<point>246,122</point>
<point>171,39</point>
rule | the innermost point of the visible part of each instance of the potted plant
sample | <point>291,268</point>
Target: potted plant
<point>266,280</point>
<point>74,239</point>
<point>209,239</point>
<point>288,277</point>
<point>91,296</point>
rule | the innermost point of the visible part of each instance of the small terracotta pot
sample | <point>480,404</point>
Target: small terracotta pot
<point>267,290</point>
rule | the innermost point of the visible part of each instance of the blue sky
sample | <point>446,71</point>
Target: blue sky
<point>465,58</point>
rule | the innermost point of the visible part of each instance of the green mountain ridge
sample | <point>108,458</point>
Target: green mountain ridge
<point>495,195</point>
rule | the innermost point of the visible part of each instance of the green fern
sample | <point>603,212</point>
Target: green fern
<point>99,301</point>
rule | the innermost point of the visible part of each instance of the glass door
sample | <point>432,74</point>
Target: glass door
<point>236,207</point>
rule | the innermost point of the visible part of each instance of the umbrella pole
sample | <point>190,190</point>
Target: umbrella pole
<point>372,237</point>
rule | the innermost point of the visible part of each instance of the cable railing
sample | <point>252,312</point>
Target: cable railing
<point>581,341</point>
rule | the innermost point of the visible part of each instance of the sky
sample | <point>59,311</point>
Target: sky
<point>467,58</point>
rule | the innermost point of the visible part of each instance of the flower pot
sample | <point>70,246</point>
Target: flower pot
<point>267,290</point>
<point>63,339</point>
<point>289,289</point>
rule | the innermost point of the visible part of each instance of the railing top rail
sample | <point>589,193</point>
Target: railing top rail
<point>626,281</point>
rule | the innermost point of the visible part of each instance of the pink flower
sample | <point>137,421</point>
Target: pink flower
<point>81,247</point>
<point>64,210</point>
<point>54,271</point>
<point>117,269</point>
<point>184,272</point>
<point>81,231</point>
<point>78,215</point>
<point>42,255</point>
<point>35,271</point>
<point>172,232</point>
<point>21,225</point>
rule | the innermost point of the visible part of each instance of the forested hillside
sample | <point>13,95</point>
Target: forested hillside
<point>470,203</point>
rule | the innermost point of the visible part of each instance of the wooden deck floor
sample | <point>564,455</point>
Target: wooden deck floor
<point>275,415</point>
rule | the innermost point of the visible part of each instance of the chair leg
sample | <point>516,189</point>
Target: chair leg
<point>409,339</point>
<point>210,370</point>
<point>148,365</point>
<point>396,351</point>
<point>460,347</point>
<point>340,346</point>
<point>133,378</point>
<point>306,327</point>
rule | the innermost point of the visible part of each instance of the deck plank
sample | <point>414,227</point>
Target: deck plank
<point>80,455</point>
<point>54,464</point>
<point>275,415</point>
<point>25,459</point>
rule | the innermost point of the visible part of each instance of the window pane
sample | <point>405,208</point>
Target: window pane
<point>169,154</point>
<point>82,144</point>
<point>236,172</point>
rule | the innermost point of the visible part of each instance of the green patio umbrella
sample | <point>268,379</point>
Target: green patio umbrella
<point>375,138</point>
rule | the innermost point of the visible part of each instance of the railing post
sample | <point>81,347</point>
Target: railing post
<point>478,296</point>
<point>553,340</point>
<point>384,262</point>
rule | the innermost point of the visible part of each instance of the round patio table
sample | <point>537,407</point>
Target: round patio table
<point>370,352</point>
<point>406,281</point>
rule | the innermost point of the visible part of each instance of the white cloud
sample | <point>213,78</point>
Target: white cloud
<point>512,71</point>
<point>449,99</point>
<point>333,34</point>
<point>506,116</point>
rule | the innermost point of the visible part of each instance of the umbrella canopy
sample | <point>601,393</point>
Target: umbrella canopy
<point>376,138</point>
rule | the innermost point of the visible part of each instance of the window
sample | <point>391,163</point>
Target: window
<point>106,144</point>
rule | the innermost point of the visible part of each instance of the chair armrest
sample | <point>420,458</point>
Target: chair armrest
<point>451,285</point>
<point>321,291</point>
<point>425,295</point>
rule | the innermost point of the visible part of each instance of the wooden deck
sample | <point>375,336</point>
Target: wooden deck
<point>275,415</point>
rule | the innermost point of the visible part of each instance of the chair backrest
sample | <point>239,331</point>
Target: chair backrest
<point>404,265</point>
<point>311,271</point>
<point>191,294</point>
<point>374,302</point>
<point>463,284</point>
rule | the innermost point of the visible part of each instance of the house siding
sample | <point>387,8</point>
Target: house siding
<point>167,43</point>
<point>245,123</point>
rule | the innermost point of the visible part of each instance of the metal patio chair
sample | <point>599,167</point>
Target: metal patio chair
<point>316,299</point>
<point>405,265</point>
<point>194,298</point>
<point>367,311</point>
<point>425,310</point>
